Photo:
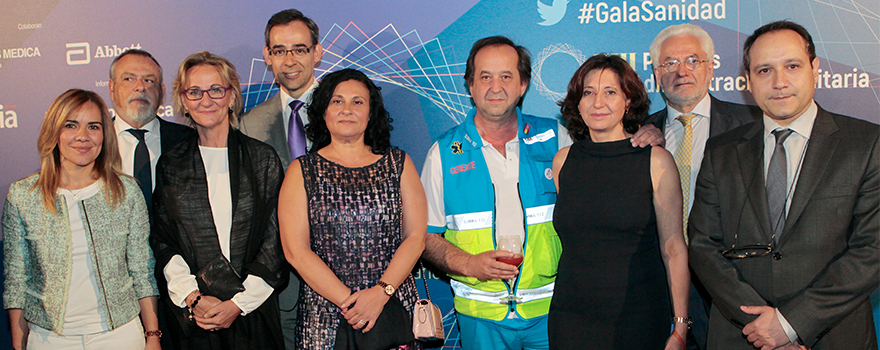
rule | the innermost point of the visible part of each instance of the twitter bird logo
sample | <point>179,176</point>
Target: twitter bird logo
<point>552,14</point>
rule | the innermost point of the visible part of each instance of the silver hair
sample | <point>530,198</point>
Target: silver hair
<point>683,29</point>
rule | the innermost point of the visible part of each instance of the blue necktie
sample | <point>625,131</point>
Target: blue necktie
<point>296,136</point>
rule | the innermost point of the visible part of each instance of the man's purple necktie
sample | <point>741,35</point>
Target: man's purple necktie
<point>296,136</point>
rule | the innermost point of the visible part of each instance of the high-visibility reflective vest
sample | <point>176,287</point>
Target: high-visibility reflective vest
<point>469,198</point>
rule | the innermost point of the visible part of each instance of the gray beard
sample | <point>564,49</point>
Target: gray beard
<point>137,118</point>
<point>679,101</point>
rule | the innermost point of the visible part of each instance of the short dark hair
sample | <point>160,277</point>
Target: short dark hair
<point>774,27</point>
<point>630,84</point>
<point>524,66</point>
<point>378,133</point>
<point>289,16</point>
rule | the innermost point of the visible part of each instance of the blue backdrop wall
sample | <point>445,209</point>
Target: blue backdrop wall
<point>415,50</point>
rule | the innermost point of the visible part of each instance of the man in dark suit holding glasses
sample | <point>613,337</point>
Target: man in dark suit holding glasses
<point>784,227</point>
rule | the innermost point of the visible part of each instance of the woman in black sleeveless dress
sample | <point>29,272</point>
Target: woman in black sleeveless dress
<point>618,215</point>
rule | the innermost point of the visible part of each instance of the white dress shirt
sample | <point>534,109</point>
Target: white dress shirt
<point>303,112</point>
<point>795,147</point>
<point>127,144</point>
<point>674,131</point>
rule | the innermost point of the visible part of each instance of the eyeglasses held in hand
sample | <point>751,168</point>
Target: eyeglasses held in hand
<point>690,63</point>
<point>194,94</point>
<point>298,51</point>
<point>747,251</point>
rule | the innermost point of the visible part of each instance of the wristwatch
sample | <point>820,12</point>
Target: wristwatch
<point>389,289</point>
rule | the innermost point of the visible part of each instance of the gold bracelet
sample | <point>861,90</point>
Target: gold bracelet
<point>156,333</point>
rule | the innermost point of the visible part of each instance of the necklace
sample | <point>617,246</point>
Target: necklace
<point>75,194</point>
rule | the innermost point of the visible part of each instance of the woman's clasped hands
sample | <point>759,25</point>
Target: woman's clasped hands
<point>362,308</point>
<point>212,314</point>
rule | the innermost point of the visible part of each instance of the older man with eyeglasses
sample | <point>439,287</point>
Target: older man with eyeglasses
<point>683,57</point>
<point>292,51</point>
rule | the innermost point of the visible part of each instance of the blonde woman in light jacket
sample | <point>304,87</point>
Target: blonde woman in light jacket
<point>78,266</point>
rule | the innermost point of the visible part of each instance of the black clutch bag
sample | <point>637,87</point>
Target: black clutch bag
<point>393,328</point>
<point>219,279</point>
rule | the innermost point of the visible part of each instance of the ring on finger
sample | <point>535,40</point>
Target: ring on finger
<point>362,322</point>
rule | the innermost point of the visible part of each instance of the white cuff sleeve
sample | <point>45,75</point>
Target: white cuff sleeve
<point>180,282</point>
<point>792,335</point>
<point>256,291</point>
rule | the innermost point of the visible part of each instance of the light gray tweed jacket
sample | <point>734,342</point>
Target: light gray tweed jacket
<point>37,248</point>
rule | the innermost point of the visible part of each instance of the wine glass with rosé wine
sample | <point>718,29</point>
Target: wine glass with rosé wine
<point>511,244</point>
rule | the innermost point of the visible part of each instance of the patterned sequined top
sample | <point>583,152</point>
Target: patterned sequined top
<point>355,225</point>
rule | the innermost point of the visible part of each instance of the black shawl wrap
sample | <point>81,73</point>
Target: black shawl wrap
<point>183,225</point>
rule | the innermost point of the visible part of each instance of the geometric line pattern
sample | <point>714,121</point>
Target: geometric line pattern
<point>383,57</point>
<point>539,64</point>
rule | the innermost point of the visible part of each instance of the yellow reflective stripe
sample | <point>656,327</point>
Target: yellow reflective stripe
<point>469,221</point>
<point>539,215</point>
<point>467,292</point>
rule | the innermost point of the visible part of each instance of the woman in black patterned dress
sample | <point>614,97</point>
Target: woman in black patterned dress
<point>353,214</point>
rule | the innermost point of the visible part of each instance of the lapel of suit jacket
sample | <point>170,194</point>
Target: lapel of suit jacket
<point>817,157</point>
<point>751,162</point>
<point>167,137</point>
<point>719,120</point>
<point>277,132</point>
<point>660,122</point>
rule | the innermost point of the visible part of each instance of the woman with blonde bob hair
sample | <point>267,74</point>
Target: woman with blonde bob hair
<point>79,269</point>
<point>228,75</point>
<point>214,211</point>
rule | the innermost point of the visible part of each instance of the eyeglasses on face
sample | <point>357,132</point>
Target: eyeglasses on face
<point>298,51</point>
<point>194,94</point>
<point>690,63</point>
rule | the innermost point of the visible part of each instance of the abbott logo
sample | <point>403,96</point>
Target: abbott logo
<point>78,49</point>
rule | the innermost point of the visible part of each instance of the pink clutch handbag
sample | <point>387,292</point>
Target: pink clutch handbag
<point>427,319</point>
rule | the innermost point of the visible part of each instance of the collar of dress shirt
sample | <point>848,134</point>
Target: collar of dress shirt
<point>803,125</point>
<point>703,108</point>
<point>306,97</point>
<point>121,126</point>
